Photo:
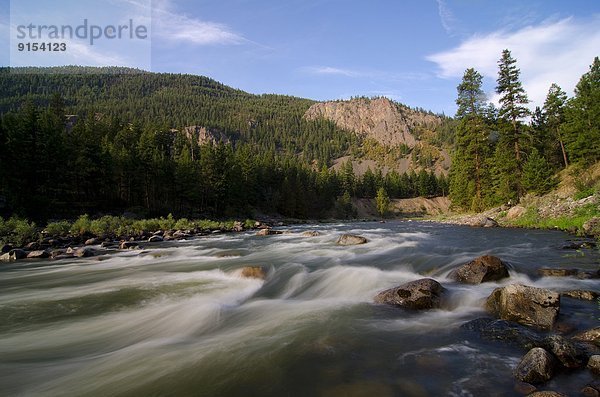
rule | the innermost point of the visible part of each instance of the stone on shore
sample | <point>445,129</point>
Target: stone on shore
<point>38,254</point>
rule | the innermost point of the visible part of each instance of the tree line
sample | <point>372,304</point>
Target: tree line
<point>502,153</point>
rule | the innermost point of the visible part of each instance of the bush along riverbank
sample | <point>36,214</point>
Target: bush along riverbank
<point>84,237</point>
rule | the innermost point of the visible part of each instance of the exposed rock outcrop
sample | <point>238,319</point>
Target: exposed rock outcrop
<point>481,269</point>
<point>526,305</point>
<point>203,135</point>
<point>420,294</point>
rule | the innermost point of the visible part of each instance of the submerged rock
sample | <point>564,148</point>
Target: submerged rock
<point>546,393</point>
<point>268,232</point>
<point>585,295</point>
<point>253,272</point>
<point>481,269</point>
<point>420,294</point>
<point>526,305</point>
<point>351,239</point>
<point>537,366</point>
<point>311,233</point>
<point>505,331</point>
<point>591,336</point>
<point>569,355</point>
<point>583,274</point>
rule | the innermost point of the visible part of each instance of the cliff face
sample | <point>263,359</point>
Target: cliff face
<point>381,119</point>
<point>203,135</point>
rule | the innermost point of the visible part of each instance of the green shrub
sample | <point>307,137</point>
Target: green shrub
<point>167,223</point>
<point>60,228</point>
<point>82,225</point>
<point>17,231</point>
<point>184,224</point>
<point>249,223</point>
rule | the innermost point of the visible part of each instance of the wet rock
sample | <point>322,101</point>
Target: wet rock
<point>268,232</point>
<point>33,246</point>
<point>481,269</point>
<point>546,393</point>
<point>582,274</point>
<point>594,364</point>
<point>526,305</point>
<point>590,335</point>
<point>5,248</point>
<point>505,331</point>
<point>109,244</point>
<point>420,294</point>
<point>524,388</point>
<point>515,212</point>
<point>311,233</point>
<point>591,391</point>
<point>92,241</point>
<point>84,252</point>
<point>579,245</point>
<point>180,234</point>
<point>155,239</point>
<point>128,245</point>
<point>581,294</point>
<point>351,239</point>
<point>13,255</point>
<point>38,254</point>
<point>569,355</point>
<point>254,272</point>
<point>537,366</point>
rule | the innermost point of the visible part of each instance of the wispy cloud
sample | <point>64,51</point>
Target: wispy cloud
<point>328,70</point>
<point>552,52</point>
<point>173,26</point>
<point>366,74</point>
<point>447,18</point>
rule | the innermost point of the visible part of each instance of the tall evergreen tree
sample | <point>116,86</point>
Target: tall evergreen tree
<point>512,108</point>
<point>554,116</point>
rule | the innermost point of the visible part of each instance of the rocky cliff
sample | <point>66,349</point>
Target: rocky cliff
<point>387,122</point>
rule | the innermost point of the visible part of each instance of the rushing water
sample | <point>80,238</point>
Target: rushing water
<point>179,320</point>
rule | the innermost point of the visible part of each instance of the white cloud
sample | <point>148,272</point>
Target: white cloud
<point>173,26</point>
<point>552,52</point>
<point>328,70</point>
<point>447,18</point>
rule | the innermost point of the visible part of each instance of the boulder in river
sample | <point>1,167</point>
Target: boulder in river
<point>13,255</point>
<point>310,233</point>
<point>253,272</point>
<point>505,331</point>
<point>85,252</point>
<point>526,305</point>
<point>155,238</point>
<point>420,294</point>
<point>594,364</point>
<point>569,355</point>
<point>268,232</point>
<point>546,393</point>
<point>537,366</point>
<point>351,239</point>
<point>128,245</point>
<point>481,269</point>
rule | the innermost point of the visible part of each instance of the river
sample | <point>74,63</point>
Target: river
<point>177,319</point>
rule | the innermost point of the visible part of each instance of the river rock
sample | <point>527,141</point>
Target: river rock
<point>591,391</point>
<point>311,233</point>
<point>569,355</point>
<point>537,366</point>
<point>5,248</point>
<point>529,306</point>
<point>237,226</point>
<point>420,294</point>
<point>515,212</point>
<point>546,393</point>
<point>38,254</point>
<point>524,388</point>
<point>590,336</point>
<point>594,364</point>
<point>84,252</point>
<point>351,239</point>
<point>33,246</point>
<point>92,241</point>
<point>128,245</point>
<point>592,227</point>
<point>505,331</point>
<point>481,269</point>
<point>155,239</point>
<point>253,272</point>
<point>13,255</point>
<point>550,272</point>
<point>580,294</point>
<point>268,232</point>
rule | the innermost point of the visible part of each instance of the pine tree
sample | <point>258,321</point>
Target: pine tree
<point>382,201</point>
<point>537,174</point>
<point>512,108</point>
<point>554,116</point>
<point>471,144</point>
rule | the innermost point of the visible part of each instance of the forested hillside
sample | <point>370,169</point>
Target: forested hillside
<point>503,153</point>
<point>76,140</point>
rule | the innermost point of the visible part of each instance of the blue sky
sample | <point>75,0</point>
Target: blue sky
<point>412,51</point>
